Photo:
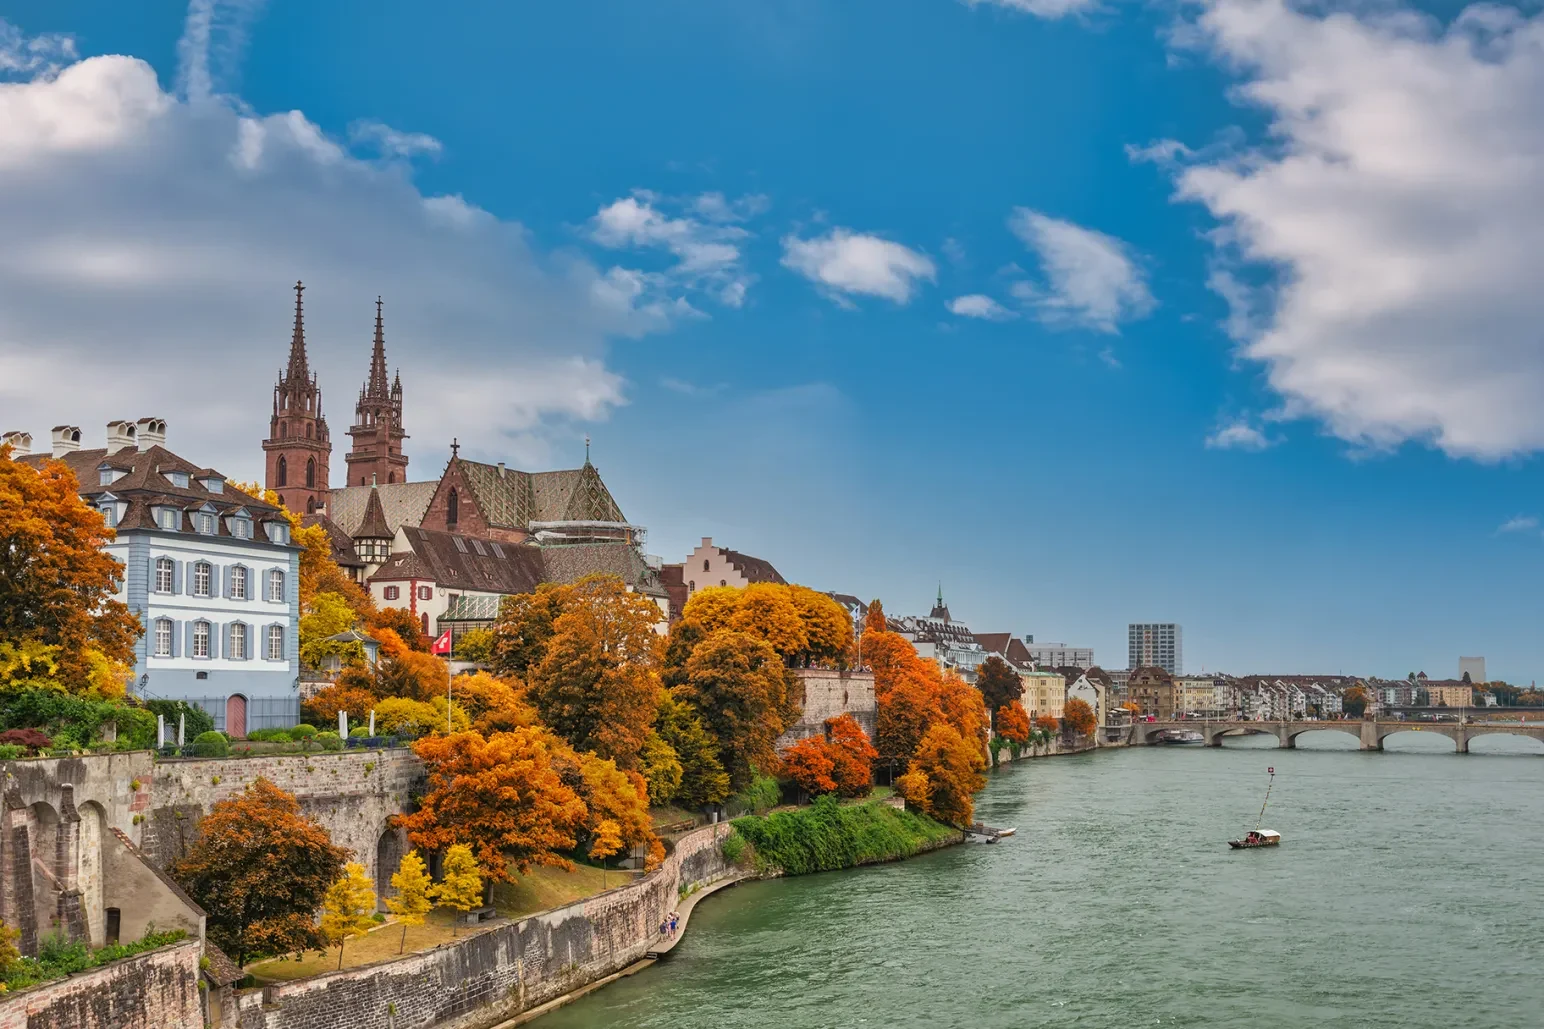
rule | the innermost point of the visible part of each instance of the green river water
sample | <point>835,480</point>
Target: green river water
<point>1408,891</point>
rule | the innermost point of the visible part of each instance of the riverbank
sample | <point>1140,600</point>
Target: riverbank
<point>828,835</point>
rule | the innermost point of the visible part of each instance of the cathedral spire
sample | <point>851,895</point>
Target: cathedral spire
<point>298,370</point>
<point>378,386</point>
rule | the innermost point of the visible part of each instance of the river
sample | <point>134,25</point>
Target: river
<point>1408,891</point>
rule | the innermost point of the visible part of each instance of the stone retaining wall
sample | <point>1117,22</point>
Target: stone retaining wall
<point>154,990</point>
<point>492,975</point>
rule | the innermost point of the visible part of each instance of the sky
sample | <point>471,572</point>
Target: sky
<point>1223,313</point>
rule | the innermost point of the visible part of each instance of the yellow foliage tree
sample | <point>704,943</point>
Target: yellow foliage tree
<point>493,704</point>
<point>711,608</point>
<point>412,903</point>
<point>767,612</point>
<point>621,798</point>
<point>462,886</point>
<point>348,906</point>
<point>607,841</point>
<point>399,716</point>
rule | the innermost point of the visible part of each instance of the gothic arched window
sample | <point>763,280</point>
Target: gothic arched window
<point>310,472</point>
<point>308,430</point>
<point>452,507</point>
<point>310,505</point>
<point>281,474</point>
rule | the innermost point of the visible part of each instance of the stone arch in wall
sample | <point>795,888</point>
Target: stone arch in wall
<point>43,830</point>
<point>93,825</point>
<point>388,855</point>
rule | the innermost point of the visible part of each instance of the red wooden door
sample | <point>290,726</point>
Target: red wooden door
<point>236,716</point>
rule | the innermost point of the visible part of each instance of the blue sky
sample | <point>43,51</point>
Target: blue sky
<point>886,291</point>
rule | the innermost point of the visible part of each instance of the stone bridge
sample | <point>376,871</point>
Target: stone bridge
<point>1370,734</point>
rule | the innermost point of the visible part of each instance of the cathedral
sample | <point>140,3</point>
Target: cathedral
<point>298,448</point>
<point>448,547</point>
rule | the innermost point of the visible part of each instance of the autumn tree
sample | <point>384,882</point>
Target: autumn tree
<point>399,716</point>
<point>493,704</point>
<point>322,707</point>
<point>827,628</point>
<point>905,711</point>
<point>260,869</point>
<point>412,901</point>
<point>523,628</point>
<point>501,795</point>
<point>890,656</point>
<point>476,646</point>
<point>597,682</point>
<point>348,907</point>
<point>328,615</point>
<point>852,756</point>
<point>998,682</point>
<point>461,886</point>
<point>679,645</point>
<point>765,610</point>
<point>945,775</point>
<point>1354,701</point>
<point>58,585</point>
<point>622,798</point>
<point>661,768</point>
<point>703,779</point>
<point>413,674</point>
<point>402,622</point>
<point>711,608</point>
<point>1079,717</point>
<point>1045,723</point>
<point>738,686</point>
<point>1013,723</point>
<point>606,842</point>
<point>874,620</point>
<point>810,764</point>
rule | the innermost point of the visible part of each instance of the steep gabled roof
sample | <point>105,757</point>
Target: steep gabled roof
<point>374,525</point>
<point>465,562</point>
<point>511,499</point>
<point>755,569</point>
<point>402,503</point>
<point>573,562</point>
<point>343,551</point>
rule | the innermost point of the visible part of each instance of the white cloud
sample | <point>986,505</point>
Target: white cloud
<point>150,245</point>
<point>979,305</point>
<point>33,55</point>
<point>214,36</point>
<point>1042,8</point>
<point>707,250</point>
<point>1519,523</point>
<point>1237,435</point>
<point>1091,279</point>
<point>390,142</point>
<point>1398,197</point>
<point>843,262</point>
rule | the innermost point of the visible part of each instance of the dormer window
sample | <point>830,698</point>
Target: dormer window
<point>278,532</point>
<point>109,514</point>
<point>168,518</point>
<point>241,527</point>
<point>213,484</point>
<point>106,476</point>
<point>205,523</point>
<point>178,479</point>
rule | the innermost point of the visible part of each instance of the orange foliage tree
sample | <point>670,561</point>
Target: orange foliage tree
<point>811,765</point>
<point>501,795</point>
<point>621,798</point>
<point>1013,723</point>
<point>401,621</point>
<point>739,688</point>
<point>412,674</point>
<point>852,756</point>
<point>1079,717</point>
<point>945,775</point>
<point>323,706</point>
<point>1045,723</point>
<point>260,868</point>
<point>493,704</point>
<point>57,584</point>
<point>804,626</point>
<point>827,627</point>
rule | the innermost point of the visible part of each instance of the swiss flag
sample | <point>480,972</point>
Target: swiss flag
<point>441,645</point>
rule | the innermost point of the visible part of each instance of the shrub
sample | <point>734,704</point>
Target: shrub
<point>10,751</point>
<point>302,732</point>
<point>27,739</point>
<point>329,741</point>
<point>361,732</point>
<point>828,835</point>
<point>211,744</point>
<point>733,848</point>
<point>759,797</point>
<point>199,720</point>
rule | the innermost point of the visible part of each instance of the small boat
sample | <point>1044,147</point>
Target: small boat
<point>979,833</point>
<point>1181,736</point>
<point>1257,838</point>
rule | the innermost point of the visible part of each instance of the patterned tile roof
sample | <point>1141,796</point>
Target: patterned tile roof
<point>512,499</point>
<point>402,503</point>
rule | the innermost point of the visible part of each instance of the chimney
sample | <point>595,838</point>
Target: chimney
<point>66,439</point>
<point>151,433</point>
<point>501,469</point>
<point>120,435</point>
<point>21,443</point>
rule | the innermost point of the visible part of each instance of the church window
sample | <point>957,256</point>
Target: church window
<point>391,476</point>
<point>310,472</point>
<point>281,474</point>
<point>310,505</point>
<point>452,507</point>
<point>308,430</point>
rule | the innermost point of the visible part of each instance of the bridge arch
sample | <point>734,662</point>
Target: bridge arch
<point>1535,745</point>
<point>1449,734</point>
<point>1352,729</point>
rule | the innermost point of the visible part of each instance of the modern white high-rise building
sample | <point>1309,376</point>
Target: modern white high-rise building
<point>1159,644</point>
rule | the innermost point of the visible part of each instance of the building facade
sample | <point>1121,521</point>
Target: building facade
<point>375,455</point>
<point>209,570</point>
<point>298,449</point>
<point>1058,655</point>
<point>1155,644</point>
<point>1091,690</point>
<point>1045,694</point>
<point>1151,689</point>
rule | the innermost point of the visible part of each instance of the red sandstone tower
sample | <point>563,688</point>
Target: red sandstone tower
<point>376,455</point>
<point>298,447</point>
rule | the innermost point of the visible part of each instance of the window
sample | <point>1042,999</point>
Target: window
<point>206,523</point>
<point>721,582</point>
<point>238,583</point>
<point>167,519</point>
<point>281,474</point>
<point>498,550</point>
<point>163,574</point>
<point>214,485</point>
<point>452,507</point>
<point>109,514</point>
<point>310,472</point>
<point>426,593</point>
<point>704,564</point>
<point>477,546</point>
<point>237,651</point>
<point>460,544</point>
<point>391,593</point>
<point>163,637</point>
<point>241,528</point>
<point>276,587</point>
<point>178,479</point>
<point>691,586</point>
<point>276,643</point>
<point>201,639</point>
<point>201,579</point>
<point>278,532</point>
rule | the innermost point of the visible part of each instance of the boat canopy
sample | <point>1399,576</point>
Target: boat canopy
<point>1270,834</point>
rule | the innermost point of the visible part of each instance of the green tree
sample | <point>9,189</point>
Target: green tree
<point>523,628</point>
<point>703,779</point>
<point>999,684</point>
<point>661,768</point>
<point>476,646</point>
<point>328,615</point>
<point>348,906</point>
<point>462,885</point>
<point>412,902</point>
<point>739,687</point>
<point>260,869</point>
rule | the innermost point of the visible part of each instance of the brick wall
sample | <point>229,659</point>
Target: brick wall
<point>155,990</point>
<point>828,693</point>
<point>483,979</point>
